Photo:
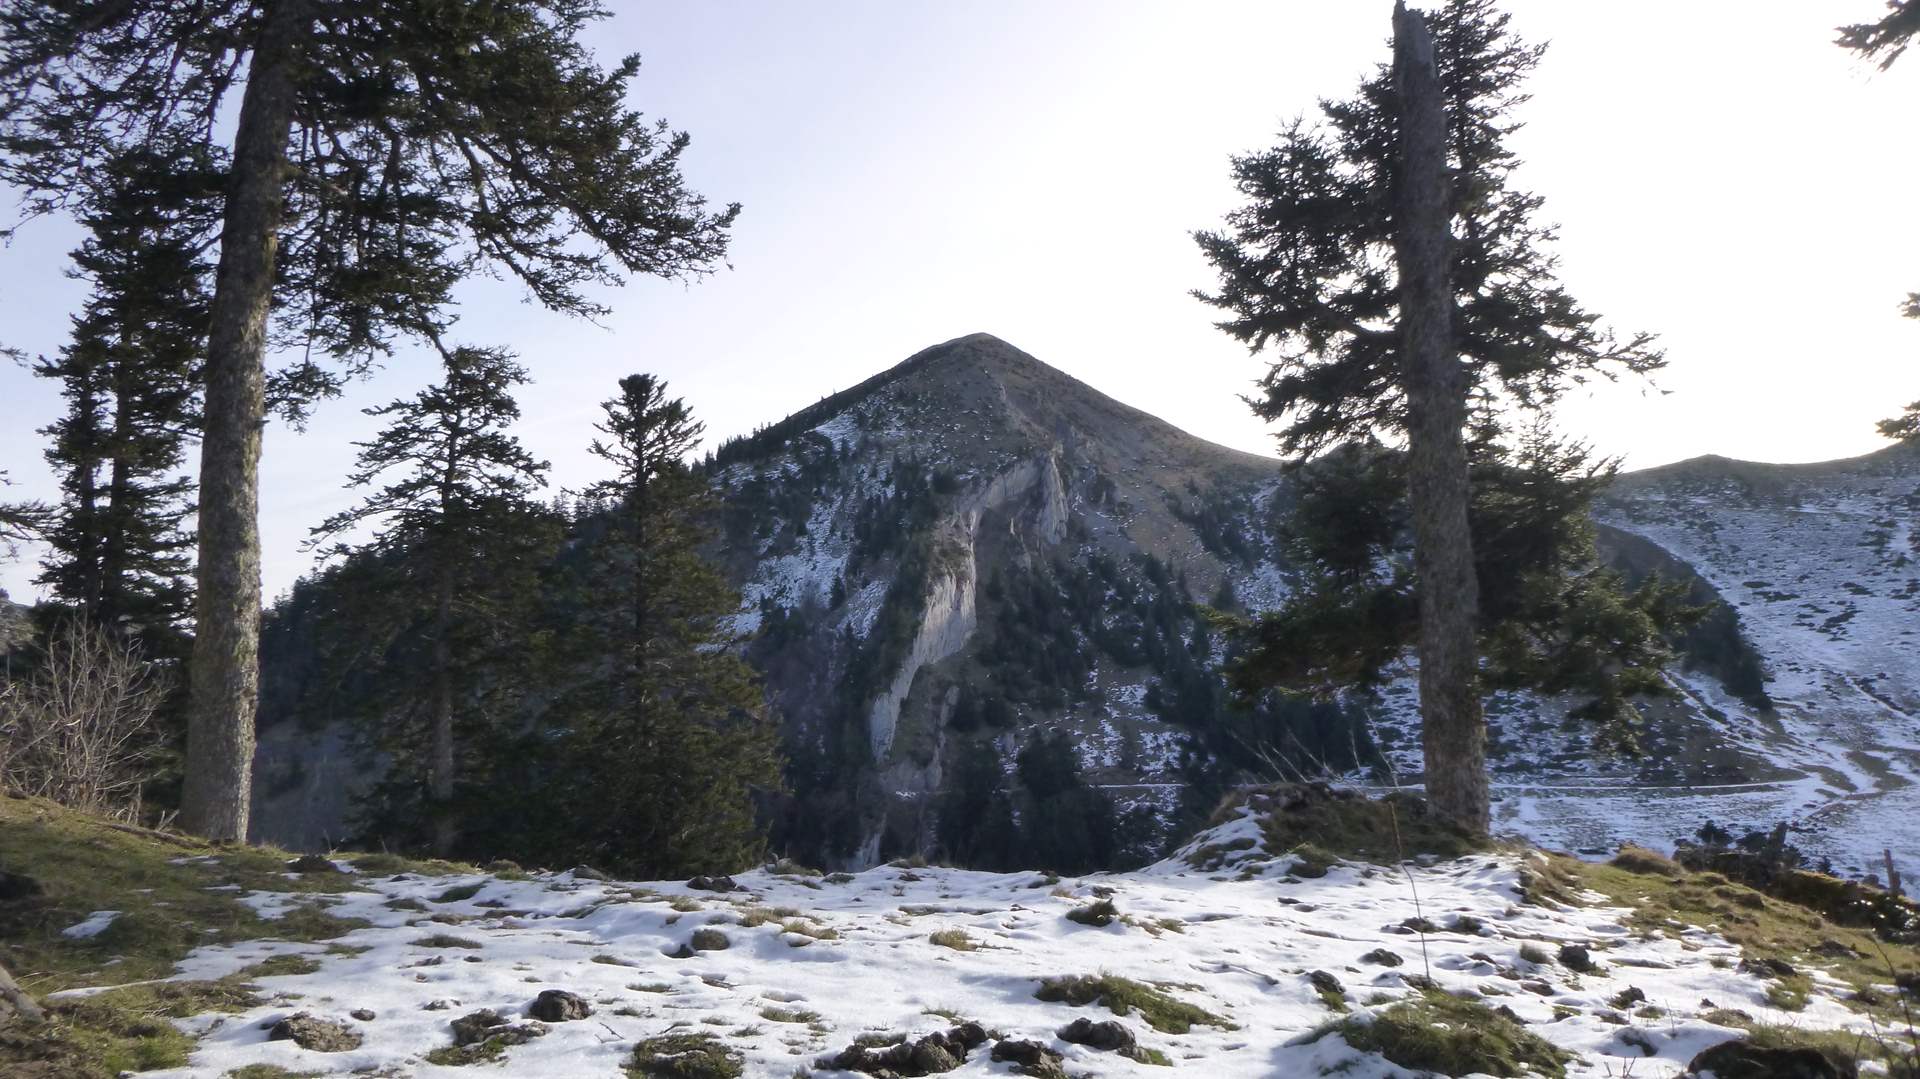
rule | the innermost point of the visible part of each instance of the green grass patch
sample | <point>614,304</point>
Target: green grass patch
<point>459,892</point>
<point>1665,898</point>
<point>1449,1036</point>
<point>121,1030</point>
<point>279,966</point>
<point>684,1056</point>
<point>789,1015</point>
<point>269,1071</point>
<point>1123,996</point>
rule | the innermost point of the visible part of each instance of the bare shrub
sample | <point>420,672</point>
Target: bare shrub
<point>80,729</point>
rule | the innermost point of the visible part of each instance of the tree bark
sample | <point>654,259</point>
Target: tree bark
<point>225,687</point>
<point>440,758</point>
<point>1453,729</point>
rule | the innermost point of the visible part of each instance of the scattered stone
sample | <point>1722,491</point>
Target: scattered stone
<point>1741,1059</point>
<point>587,872</point>
<point>1322,982</point>
<point>487,1026</point>
<point>1103,1034</point>
<point>1576,957</point>
<point>312,863</point>
<point>709,940</point>
<point>559,1006</point>
<point>1382,957</point>
<point>1767,968</point>
<point>365,1015</point>
<point>440,1004</point>
<point>935,1054</point>
<point>1031,1058</point>
<point>1542,988</point>
<point>311,1032</point>
<point>714,884</point>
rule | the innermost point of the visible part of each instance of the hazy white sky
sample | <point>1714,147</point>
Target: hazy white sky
<point>1724,176</point>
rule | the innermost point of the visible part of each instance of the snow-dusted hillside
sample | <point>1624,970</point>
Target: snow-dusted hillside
<point>1244,963</point>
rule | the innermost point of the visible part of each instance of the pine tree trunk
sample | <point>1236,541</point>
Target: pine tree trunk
<point>217,796</point>
<point>1452,727</point>
<point>440,757</point>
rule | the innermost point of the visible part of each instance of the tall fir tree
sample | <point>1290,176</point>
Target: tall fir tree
<point>1313,274</point>
<point>434,606</point>
<point>119,550</point>
<point>671,742</point>
<point>379,154</point>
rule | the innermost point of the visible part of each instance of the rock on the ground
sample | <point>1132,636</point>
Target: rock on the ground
<point>559,1006</point>
<point>1098,1034</point>
<point>312,1032</point>
<point>1031,1058</point>
<point>714,884</point>
<point>312,863</point>
<point>935,1054</point>
<point>1741,1059</point>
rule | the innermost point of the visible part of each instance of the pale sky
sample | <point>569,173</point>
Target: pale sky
<point>1723,175</point>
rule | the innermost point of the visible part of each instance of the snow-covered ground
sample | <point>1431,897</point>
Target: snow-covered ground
<point>815,962</point>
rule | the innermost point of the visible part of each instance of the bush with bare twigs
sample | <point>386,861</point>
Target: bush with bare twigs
<point>80,729</point>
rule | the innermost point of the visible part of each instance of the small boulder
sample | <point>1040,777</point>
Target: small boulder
<point>1382,957</point>
<point>1324,982</point>
<point>488,1026</point>
<point>714,884</point>
<point>473,1026</point>
<point>311,1032</point>
<point>365,1015</point>
<point>1576,957</point>
<point>1031,1058</point>
<point>930,1057</point>
<point>1767,968</point>
<point>1741,1059</point>
<point>559,1006</point>
<point>1104,1034</point>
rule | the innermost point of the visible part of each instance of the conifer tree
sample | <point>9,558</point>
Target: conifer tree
<point>120,553</point>
<point>670,742</point>
<point>451,564</point>
<point>379,155</point>
<point>1313,273</point>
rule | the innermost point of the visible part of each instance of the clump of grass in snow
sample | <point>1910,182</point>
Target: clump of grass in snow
<point>957,939</point>
<point>445,940</point>
<point>268,1071</point>
<point>684,1056</point>
<point>1098,914</point>
<point>459,892</point>
<point>788,1015</point>
<point>279,966</point>
<point>1123,996</point>
<point>1443,1034</point>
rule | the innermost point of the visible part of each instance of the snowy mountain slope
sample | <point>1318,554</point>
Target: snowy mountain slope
<point>782,977</point>
<point>971,552</point>
<point>1822,564</point>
